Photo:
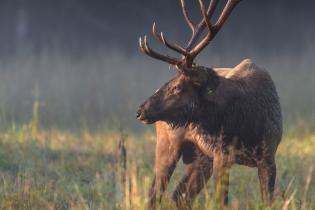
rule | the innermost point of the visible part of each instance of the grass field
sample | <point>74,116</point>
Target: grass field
<point>55,169</point>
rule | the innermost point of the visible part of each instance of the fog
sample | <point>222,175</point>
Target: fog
<point>80,59</point>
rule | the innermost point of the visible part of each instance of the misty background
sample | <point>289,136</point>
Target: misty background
<point>79,59</point>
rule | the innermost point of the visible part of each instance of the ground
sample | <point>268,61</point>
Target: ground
<point>54,169</point>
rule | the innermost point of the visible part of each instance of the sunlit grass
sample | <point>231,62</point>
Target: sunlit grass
<point>62,170</point>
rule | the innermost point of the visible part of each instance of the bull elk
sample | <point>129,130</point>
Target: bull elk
<point>212,117</point>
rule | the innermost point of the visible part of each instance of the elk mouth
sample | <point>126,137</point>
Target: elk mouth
<point>147,121</point>
<point>142,117</point>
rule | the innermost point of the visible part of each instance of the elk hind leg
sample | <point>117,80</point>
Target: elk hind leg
<point>267,176</point>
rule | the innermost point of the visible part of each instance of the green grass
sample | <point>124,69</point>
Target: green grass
<point>62,170</point>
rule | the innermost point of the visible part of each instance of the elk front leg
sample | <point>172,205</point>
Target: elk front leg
<point>221,172</point>
<point>196,176</point>
<point>267,176</point>
<point>166,157</point>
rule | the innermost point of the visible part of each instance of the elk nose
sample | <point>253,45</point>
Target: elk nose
<point>138,114</point>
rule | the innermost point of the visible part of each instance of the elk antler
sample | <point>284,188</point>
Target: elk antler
<point>197,30</point>
<point>147,50</point>
<point>212,30</point>
<point>193,48</point>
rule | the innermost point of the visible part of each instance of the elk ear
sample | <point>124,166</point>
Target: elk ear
<point>197,77</point>
<point>201,76</point>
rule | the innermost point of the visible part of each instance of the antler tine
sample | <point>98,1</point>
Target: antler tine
<point>212,6</point>
<point>144,47</point>
<point>194,52</point>
<point>205,16</point>
<point>162,39</point>
<point>186,16</point>
<point>225,13</point>
<point>213,30</point>
<point>201,26</point>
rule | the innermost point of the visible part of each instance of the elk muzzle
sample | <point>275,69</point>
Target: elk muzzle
<point>143,115</point>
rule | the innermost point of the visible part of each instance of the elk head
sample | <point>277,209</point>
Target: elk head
<point>179,100</point>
